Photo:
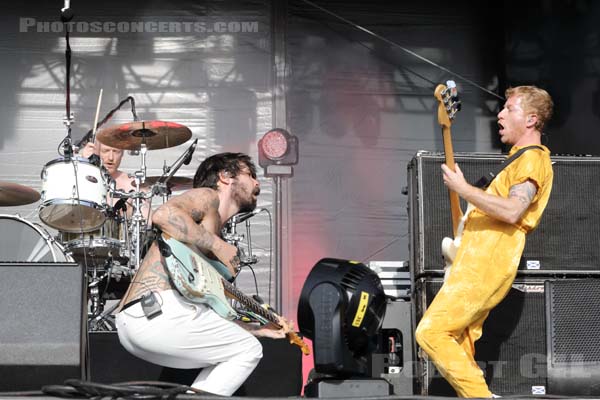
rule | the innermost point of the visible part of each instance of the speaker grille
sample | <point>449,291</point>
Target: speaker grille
<point>512,350</point>
<point>575,327</point>
<point>565,240</point>
<point>573,337</point>
<point>42,310</point>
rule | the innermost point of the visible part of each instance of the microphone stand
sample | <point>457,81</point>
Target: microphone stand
<point>161,187</point>
<point>66,15</point>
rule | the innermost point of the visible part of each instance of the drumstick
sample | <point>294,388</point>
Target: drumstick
<point>96,119</point>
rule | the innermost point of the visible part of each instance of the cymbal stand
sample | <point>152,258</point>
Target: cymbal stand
<point>138,220</point>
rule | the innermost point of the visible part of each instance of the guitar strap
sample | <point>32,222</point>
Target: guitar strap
<point>165,251</point>
<point>485,180</point>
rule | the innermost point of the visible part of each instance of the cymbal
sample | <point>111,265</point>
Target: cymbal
<point>13,194</point>
<point>176,183</point>
<point>154,134</point>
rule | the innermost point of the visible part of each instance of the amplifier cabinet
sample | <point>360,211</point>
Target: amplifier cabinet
<point>573,337</point>
<point>511,352</point>
<point>566,240</point>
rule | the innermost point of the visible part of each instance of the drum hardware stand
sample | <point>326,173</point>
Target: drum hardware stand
<point>100,319</point>
<point>231,236</point>
<point>96,304</point>
<point>138,220</point>
<point>103,321</point>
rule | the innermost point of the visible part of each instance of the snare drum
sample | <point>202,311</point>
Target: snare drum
<point>24,241</point>
<point>109,241</point>
<point>73,195</point>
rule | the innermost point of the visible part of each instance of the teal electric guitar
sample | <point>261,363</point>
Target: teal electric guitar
<point>205,281</point>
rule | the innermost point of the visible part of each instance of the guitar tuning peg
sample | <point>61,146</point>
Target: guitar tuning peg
<point>451,85</point>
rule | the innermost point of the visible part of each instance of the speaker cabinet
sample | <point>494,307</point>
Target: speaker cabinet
<point>573,337</point>
<point>512,350</point>
<point>43,324</point>
<point>566,236</point>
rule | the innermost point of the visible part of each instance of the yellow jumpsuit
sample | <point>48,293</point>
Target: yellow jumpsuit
<point>482,274</point>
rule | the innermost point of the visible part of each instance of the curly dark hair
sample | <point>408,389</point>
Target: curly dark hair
<point>207,174</point>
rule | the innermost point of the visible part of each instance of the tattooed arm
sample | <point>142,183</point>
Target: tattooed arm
<point>193,218</point>
<point>509,209</point>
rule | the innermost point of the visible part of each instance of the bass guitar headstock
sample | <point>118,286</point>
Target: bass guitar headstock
<point>449,104</point>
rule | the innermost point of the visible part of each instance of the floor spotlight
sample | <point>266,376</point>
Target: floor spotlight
<point>341,309</point>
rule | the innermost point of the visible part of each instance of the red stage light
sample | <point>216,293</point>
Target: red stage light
<point>277,151</point>
<point>274,145</point>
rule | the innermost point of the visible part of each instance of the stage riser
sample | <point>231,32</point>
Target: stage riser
<point>279,373</point>
<point>565,240</point>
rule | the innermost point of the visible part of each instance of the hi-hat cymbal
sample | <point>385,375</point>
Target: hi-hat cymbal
<point>176,183</point>
<point>154,134</point>
<point>13,194</point>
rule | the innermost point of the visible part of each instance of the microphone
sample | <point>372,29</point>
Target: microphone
<point>241,217</point>
<point>188,157</point>
<point>66,14</point>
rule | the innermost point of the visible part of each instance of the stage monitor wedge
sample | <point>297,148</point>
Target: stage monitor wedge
<point>43,329</point>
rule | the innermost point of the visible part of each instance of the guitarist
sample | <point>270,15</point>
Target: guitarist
<point>156,323</point>
<point>492,243</point>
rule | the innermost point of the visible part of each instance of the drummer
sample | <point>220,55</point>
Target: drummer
<point>111,160</point>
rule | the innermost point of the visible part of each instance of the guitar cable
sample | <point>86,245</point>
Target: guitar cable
<point>404,49</point>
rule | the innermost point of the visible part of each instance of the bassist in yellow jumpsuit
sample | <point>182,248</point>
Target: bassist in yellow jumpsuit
<point>492,242</point>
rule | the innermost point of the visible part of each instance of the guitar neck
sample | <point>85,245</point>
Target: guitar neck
<point>454,199</point>
<point>250,303</point>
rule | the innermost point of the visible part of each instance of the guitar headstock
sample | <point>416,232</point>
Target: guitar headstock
<point>297,340</point>
<point>449,104</point>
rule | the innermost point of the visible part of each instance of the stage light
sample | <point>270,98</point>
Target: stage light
<point>341,309</point>
<point>277,152</point>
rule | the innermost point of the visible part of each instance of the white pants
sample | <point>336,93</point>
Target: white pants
<point>191,336</point>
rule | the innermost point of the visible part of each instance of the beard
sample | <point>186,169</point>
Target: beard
<point>245,200</point>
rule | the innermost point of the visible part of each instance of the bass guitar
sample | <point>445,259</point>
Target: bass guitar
<point>196,277</point>
<point>448,106</point>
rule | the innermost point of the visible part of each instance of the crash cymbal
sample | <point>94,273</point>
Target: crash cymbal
<point>13,194</point>
<point>154,134</point>
<point>175,183</point>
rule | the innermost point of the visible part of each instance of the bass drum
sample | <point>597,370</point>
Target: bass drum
<point>23,241</point>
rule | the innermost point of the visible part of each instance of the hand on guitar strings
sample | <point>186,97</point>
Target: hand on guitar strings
<point>268,331</point>
<point>454,180</point>
<point>231,255</point>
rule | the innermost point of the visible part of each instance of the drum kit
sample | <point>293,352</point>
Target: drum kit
<point>99,225</point>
